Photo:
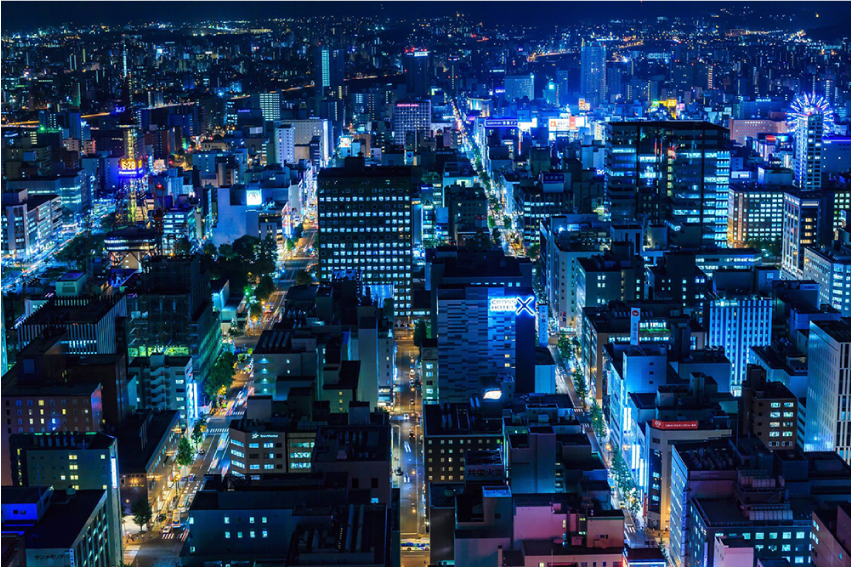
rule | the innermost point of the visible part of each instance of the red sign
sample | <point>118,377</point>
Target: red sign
<point>660,425</point>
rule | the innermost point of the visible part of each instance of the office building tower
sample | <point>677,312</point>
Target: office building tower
<point>328,69</point>
<point>809,126</point>
<point>828,418</point>
<point>567,239</point>
<point>322,521</point>
<point>365,225</point>
<point>270,105</point>
<point>412,120</point>
<point>738,318</point>
<point>416,66</point>
<point>699,469</point>
<point>30,224</point>
<point>831,268</point>
<point>830,536</point>
<point>808,222</point>
<point>283,150</point>
<point>60,528</point>
<point>673,172</point>
<point>768,410</point>
<point>616,275</point>
<point>519,87</point>
<point>171,313</point>
<point>93,324</point>
<point>79,461</point>
<point>755,215</point>
<point>593,74</point>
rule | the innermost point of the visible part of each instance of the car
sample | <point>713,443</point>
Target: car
<point>405,479</point>
<point>405,417</point>
<point>411,402</point>
<point>411,434</point>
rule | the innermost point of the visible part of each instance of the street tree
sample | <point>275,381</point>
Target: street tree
<point>265,288</point>
<point>185,455</point>
<point>142,512</point>
<point>303,278</point>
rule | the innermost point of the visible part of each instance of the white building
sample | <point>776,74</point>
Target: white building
<point>831,270</point>
<point>828,418</point>
<point>807,163</point>
<point>284,145</point>
<point>30,224</point>
<point>167,383</point>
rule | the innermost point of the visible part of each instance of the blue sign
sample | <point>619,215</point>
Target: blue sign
<point>513,304</point>
<point>501,123</point>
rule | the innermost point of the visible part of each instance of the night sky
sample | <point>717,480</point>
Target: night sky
<point>25,16</point>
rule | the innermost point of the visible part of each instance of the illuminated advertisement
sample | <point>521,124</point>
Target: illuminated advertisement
<point>501,123</point>
<point>682,425</point>
<point>493,394</point>
<point>253,197</point>
<point>114,471</point>
<point>570,124</point>
<point>128,167</point>
<point>513,304</point>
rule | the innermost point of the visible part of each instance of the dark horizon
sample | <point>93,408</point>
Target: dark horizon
<point>25,16</point>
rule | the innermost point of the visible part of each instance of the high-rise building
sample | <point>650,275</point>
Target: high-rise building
<point>807,222</point>
<point>365,225</point>
<point>828,418</point>
<point>755,215</point>
<point>808,159</point>
<point>72,460</point>
<point>832,269</point>
<point>738,318</point>
<point>172,313</point>
<point>675,172</point>
<point>593,73</point>
<point>520,87</point>
<point>328,70</point>
<point>270,105</point>
<point>411,119</point>
<point>60,528</point>
<point>415,64</point>
<point>283,144</point>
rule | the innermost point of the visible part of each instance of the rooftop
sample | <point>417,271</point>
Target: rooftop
<point>64,519</point>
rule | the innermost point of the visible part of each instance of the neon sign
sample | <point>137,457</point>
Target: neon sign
<point>114,470</point>
<point>501,123</point>
<point>513,304</point>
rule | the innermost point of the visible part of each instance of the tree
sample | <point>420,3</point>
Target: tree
<point>491,223</point>
<point>297,231</point>
<point>421,332</point>
<point>198,430</point>
<point>255,312</point>
<point>534,251</point>
<point>289,244</point>
<point>183,246</point>
<point>507,222</point>
<point>265,288</point>
<point>209,249</point>
<point>142,512</point>
<point>185,455</point>
<point>221,375</point>
<point>303,278</point>
<point>495,234</point>
<point>580,386</point>
<point>598,422</point>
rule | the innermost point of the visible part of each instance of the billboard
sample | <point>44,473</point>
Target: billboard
<point>634,326</point>
<point>570,124</point>
<point>501,123</point>
<point>681,425</point>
